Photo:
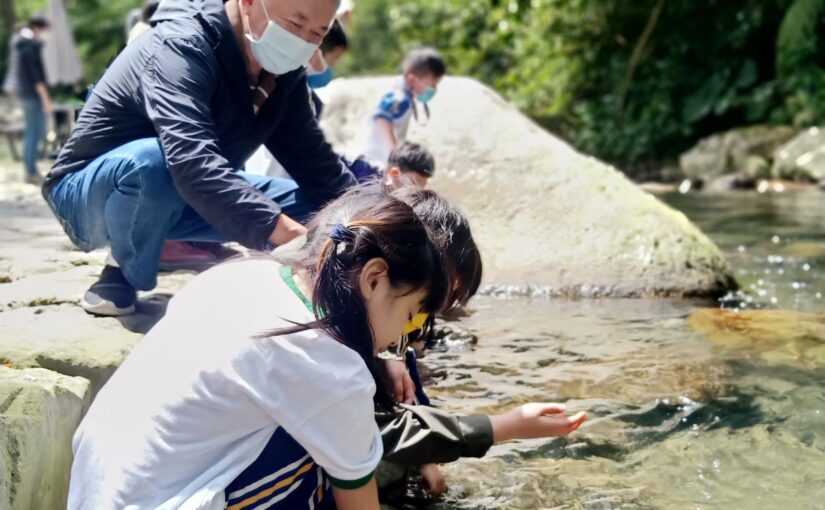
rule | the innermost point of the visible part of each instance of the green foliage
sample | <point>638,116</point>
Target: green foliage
<point>708,66</point>
<point>798,43</point>
<point>99,29</point>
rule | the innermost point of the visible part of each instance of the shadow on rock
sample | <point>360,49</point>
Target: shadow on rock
<point>149,311</point>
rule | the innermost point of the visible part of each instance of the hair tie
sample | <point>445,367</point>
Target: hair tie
<point>341,236</point>
<point>340,233</point>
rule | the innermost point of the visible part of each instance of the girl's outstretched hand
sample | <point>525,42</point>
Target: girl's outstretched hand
<point>535,420</point>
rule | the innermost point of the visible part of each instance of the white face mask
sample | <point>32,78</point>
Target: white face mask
<point>278,50</point>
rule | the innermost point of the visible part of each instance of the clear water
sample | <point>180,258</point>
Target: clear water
<point>683,413</point>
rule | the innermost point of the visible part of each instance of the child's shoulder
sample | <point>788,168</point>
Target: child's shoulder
<point>395,103</point>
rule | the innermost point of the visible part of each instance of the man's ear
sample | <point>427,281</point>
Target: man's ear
<point>374,271</point>
<point>393,172</point>
<point>244,6</point>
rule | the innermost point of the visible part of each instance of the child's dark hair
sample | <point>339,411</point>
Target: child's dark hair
<point>424,61</point>
<point>447,228</point>
<point>412,157</point>
<point>39,22</point>
<point>149,10</point>
<point>450,231</point>
<point>342,238</point>
<point>335,38</point>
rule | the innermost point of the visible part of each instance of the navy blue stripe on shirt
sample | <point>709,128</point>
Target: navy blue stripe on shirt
<point>283,474</point>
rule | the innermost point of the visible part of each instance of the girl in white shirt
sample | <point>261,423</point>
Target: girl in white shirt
<point>250,348</point>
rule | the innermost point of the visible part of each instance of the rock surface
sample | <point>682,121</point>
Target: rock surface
<point>591,231</point>
<point>746,151</point>
<point>802,158</point>
<point>53,357</point>
<point>39,411</point>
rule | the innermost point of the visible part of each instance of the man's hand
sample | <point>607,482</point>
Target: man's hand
<point>286,230</point>
<point>535,420</point>
<point>403,389</point>
<point>45,98</point>
<point>434,482</point>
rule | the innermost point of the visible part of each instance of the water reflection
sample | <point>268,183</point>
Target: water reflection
<point>691,406</point>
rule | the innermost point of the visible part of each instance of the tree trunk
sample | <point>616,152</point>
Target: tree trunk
<point>638,53</point>
<point>7,16</point>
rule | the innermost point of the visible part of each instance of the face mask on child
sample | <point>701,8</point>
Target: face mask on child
<point>319,80</point>
<point>427,95</point>
<point>278,50</point>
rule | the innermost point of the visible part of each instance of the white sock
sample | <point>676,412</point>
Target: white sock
<point>110,261</point>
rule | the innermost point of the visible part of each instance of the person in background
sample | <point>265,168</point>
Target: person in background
<point>33,93</point>
<point>422,71</point>
<point>13,72</point>
<point>333,47</point>
<point>409,163</point>
<point>142,25</point>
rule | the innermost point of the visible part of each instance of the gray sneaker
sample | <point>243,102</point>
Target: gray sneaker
<point>111,295</point>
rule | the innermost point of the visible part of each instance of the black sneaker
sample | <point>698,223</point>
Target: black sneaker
<point>111,295</point>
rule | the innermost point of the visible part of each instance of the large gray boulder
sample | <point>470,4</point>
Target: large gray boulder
<point>39,412</point>
<point>548,219</point>
<point>745,150</point>
<point>802,158</point>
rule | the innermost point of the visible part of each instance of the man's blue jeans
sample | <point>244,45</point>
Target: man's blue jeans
<point>126,198</point>
<point>33,134</point>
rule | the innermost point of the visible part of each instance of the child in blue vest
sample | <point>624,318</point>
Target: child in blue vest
<point>422,71</point>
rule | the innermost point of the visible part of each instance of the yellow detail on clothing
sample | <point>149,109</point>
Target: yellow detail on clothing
<point>286,482</point>
<point>416,323</point>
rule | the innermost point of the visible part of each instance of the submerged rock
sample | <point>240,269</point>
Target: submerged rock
<point>783,337</point>
<point>549,220</point>
<point>39,411</point>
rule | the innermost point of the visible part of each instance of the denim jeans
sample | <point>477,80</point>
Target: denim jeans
<point>126,198</point>
<point>34,133</point>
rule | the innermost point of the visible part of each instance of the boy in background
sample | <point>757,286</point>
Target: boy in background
<point>409,163</point>
<point>422,71</point>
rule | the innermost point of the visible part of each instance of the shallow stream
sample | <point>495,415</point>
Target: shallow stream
<point>692,405</point>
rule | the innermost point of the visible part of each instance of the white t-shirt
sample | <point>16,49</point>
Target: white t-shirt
<point>198,398</point>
